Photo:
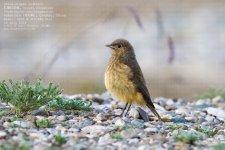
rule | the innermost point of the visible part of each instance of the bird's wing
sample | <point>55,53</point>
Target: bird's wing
<point>139,82</point>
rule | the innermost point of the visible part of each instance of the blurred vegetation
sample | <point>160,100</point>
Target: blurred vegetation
<point>60,140</point>
<point>116,136</point>
<point>173,126</point>
<point>69,104</point>
<point>187,137</point>
<point>212,93</point>
<point>43,123</point>
<point>207,131</point>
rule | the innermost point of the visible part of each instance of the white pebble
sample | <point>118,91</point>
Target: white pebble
<point>120,122</point>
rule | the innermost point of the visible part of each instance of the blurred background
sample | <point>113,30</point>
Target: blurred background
<point>180,45</point>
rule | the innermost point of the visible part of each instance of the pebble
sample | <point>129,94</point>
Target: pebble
<point>85,122</point>
<point>179,119</point>
<point>7,124</point>
<point>143,114</point>
<point>138,123</point>
<point>190,118</point>
<point>209,118</point>
<point>40,112</point>
<point>94,129</point>
<point>218,99</point>
<point>62,118</point>
<point>144,147</point>
<point>133,141</point>
<point>105,140</point>
<point>120,122</point>
<point>23,124</point>
<point>182,111</point>
<point>151,130</point>
<point>167,118</point>
<point>131,133</point>
<point>2,134</point>
<point>134,113</point>
<point>216,112</point>
<point>100,117</point>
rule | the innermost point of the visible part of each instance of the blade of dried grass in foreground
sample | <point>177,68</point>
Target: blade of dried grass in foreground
<point>136,16</point>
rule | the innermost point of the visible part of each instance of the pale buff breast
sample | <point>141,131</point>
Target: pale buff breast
<point>118,84</point>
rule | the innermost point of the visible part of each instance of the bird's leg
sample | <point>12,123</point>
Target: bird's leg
<point>128,109</point>
<point>121,115</point>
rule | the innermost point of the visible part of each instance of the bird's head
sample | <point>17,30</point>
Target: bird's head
<point>121,48</point>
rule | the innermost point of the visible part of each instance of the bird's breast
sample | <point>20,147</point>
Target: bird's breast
<point>117,80</point>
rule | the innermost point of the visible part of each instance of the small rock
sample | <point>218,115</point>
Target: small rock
<point>120,122</point>
<point>2,134</point>
<point>151,130</point>
<point>169,102</point>
<point>41,117</point>
<point>201,119</point>
<point>130,133</point>
<point>41,112</point>
<point>31,118</point>
<point>220,137</point>
<point>209,118</point>
<point>179,119</point>
<point>166,118</point>
<point>134,113</point>
<point>144,147</point>
<point>161,101</point>
<point>97,100</point>
<point>190,118</point>
<point>73,130</point>
<point>181,102</point>
<point>100,117</point>
<point>202,102</point>
<point>36,135</point>
<point>23,124</point>
<point>7,124</point>
<point>182,111</point>
<point>61,128</point>
<point>217,99</point>
<point>93,129</point>
<point>85,122</point>
<point>79,136</point>
<point>62,118</point>
<point>105,140</point>
<point>127,119</point>
<point>138,123</point>
<point>170,107</point>
<point>58,113</point>
<point>133,141</point>
<point>216,112</point>
<point>143,114</point>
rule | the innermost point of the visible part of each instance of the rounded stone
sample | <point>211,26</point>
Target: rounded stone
<point>134,113</point>
<point>3,134</point>
<point>62,118</point>
<point>120,122</point>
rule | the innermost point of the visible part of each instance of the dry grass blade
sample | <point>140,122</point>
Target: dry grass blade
<point>136,16</point>
<point>159,23</point>
<point>171,49</point>
<point>62,49</point>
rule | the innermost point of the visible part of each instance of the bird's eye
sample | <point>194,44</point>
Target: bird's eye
<point>119,46</point>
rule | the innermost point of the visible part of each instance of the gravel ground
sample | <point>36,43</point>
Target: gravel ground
<point>187,125</point>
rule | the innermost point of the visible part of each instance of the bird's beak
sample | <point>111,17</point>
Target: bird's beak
<point>110,46</point>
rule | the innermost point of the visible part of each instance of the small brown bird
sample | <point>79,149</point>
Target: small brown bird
<point>124,78</point>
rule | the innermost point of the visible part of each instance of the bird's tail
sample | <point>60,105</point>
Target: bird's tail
<point>154,112</point>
